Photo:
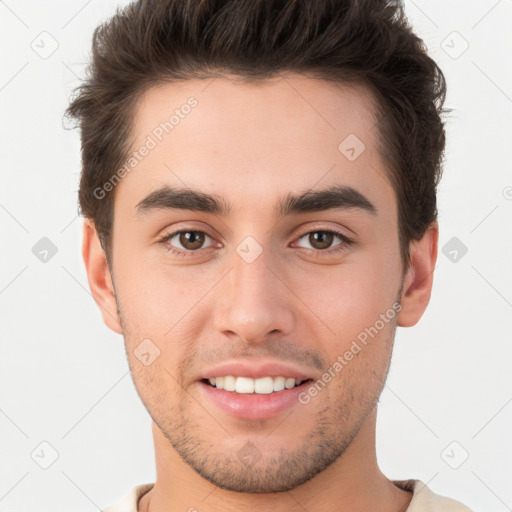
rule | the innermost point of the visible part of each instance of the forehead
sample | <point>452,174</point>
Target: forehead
<point>290,132</point>
<point>293,105</point>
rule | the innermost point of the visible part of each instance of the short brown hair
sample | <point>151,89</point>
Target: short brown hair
<point>368,42</point>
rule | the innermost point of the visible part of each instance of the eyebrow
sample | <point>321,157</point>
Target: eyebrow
<point>335,197</point>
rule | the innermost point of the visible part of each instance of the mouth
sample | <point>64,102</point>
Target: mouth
<point>257,402</point>
<point>248,386</point>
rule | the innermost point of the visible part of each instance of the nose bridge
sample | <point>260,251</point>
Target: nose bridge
<point>254,301</point>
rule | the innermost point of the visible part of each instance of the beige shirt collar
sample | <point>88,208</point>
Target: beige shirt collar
<point>423,500</point>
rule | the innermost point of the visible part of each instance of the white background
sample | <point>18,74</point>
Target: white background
<point>63,375</point>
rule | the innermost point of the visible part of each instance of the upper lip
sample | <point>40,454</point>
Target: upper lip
<point>254,370</point>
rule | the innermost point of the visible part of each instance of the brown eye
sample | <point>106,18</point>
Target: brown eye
<point>321,239</point>
<point>191,240</point>
<point>321,242</point>
<point>184,241</point>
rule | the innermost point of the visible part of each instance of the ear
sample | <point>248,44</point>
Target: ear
<point>419,277</point>
<point>98,276</point>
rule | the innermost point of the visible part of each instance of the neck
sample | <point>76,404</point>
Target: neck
<point>353,482</point>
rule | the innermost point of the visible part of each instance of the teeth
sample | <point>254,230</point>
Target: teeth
<point>279,383</point>
<point>229,383</point>
<point>264,386</point>
<point>289,383</point>
<point>246,385</point>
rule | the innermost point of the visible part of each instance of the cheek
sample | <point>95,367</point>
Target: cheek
<point>350,297</point>
<point>159,306</point>
<point>356,305</point>
<point>155,297</point>
<point>157,384</point>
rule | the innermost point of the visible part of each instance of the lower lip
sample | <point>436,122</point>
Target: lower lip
<point>253,406</point>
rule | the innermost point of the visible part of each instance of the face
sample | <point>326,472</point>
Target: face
<point>258,274</point>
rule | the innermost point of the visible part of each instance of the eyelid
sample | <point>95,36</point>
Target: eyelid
<point>323,227</point>
<point>184,226</point>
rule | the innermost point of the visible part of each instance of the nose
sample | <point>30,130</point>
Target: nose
<point>254,301</point>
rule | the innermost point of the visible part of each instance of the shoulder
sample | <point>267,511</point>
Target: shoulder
<point>130,500</point>
<point>425,500</point>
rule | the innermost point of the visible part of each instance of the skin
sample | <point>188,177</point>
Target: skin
<point>252,144</point>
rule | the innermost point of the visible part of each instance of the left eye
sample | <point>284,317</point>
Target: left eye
<point>322,238</point>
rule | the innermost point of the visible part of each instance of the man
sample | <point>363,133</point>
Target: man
<point>259,186</point>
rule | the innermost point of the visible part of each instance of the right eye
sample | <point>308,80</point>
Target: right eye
<point>190,240</point>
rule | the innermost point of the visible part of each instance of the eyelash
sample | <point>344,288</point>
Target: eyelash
<point>345,242</point>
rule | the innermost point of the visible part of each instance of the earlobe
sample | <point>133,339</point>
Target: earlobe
<point>417,286</point>
<point>98,276</point>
